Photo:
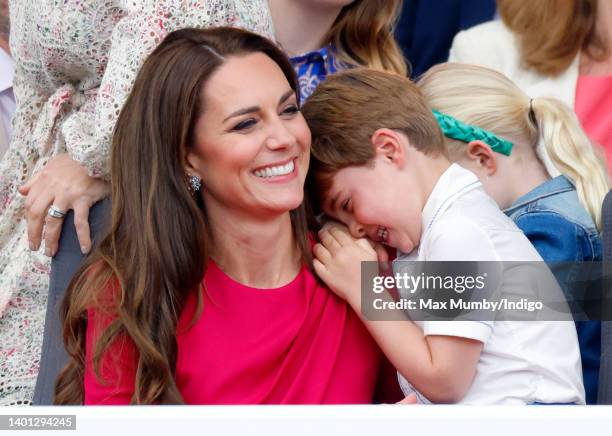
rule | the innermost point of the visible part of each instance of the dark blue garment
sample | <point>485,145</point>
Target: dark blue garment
<point>426,28</point>
<point>605,370</point>
<point>313,67</point>
<point>555,222</point>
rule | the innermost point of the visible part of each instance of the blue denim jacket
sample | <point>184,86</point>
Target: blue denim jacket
<point>555,222</point>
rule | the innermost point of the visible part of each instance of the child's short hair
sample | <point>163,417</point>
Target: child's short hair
<point>344,112</point>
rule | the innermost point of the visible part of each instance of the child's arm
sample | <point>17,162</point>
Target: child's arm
<point>440,367</point>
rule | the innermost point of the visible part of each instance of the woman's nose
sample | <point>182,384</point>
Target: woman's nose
<point>279,136</point>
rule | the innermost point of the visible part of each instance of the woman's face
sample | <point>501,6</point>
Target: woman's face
<point>251,144</point>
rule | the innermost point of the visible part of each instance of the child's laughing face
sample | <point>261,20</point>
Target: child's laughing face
<point>371,203</point>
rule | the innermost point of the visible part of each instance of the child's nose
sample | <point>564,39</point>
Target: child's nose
<point>356,229</point>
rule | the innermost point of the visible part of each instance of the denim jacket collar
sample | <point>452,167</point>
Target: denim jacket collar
<point>552,187</point>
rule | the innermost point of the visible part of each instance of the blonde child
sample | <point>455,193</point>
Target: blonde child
<point>539,167</point>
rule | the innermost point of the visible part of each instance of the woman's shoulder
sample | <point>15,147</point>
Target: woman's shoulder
<point>495,29</point>
<point>495,46</point>
<point>490,44</point>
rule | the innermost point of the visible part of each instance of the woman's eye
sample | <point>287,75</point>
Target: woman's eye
<point>243,125</point>
<point>293,109</point>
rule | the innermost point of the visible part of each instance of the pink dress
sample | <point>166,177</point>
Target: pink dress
<point>594,109</point>
<point>297,344</point>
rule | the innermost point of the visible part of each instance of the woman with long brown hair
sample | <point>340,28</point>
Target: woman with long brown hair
<point>75,63</point>
<point>72,90</point>
<point>202,291</point>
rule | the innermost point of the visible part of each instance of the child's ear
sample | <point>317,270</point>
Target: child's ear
<point>389,145</point>
<point>481,154</point>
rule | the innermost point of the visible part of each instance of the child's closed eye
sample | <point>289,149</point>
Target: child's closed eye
<point>346,204</point>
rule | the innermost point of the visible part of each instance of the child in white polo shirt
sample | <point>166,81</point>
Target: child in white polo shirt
<point>380,167</point>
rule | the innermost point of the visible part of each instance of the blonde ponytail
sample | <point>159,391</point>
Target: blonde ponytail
<point>486,98</point>
<point>572,153</point>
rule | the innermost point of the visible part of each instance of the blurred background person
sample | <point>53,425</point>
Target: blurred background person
<point>557,48</point>
<point>324,36</point>
<point>426,28</point>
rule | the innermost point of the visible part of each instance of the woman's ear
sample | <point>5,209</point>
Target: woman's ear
<point>193,179</point>
<point>192,163</point>
<point>389,145</point>
<point>480,154</point>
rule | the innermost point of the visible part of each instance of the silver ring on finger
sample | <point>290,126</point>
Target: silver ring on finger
<point>55,212</point>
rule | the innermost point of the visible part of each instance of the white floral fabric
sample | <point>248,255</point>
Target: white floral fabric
<point>76,61</point>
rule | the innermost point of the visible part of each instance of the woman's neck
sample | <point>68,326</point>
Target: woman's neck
<point>261,254</point>
<point>300,27</point>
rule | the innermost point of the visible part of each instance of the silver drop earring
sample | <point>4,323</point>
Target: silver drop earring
<point>195,183</point>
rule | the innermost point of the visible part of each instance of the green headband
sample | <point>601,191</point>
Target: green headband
<point>455,129</point>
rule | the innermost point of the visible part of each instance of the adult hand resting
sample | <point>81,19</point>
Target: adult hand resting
<point>62,185</point>
<point>410,399</point>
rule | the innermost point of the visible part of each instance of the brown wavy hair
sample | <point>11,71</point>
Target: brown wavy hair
<point>156,252</point>
<point>363,35</point>
<point>551,33</point>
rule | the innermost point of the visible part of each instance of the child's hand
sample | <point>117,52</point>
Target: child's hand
<point>338,262</point>
<point>381,251</point>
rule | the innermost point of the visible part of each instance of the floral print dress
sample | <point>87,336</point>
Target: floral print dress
<point>76,61</point>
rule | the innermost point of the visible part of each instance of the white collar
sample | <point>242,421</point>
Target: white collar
<point>452,183</point>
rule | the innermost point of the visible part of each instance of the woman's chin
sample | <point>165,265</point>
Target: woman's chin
<point>284,205</point>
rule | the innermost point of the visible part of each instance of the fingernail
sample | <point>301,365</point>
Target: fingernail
<point>84,249</point>
<point>48,252</point>
<point>32,246</point>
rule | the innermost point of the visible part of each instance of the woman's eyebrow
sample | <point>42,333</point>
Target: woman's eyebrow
<point>247,110</point>
<point>251,109</point>
<point>286,96</point>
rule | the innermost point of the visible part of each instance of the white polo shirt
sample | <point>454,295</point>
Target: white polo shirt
<point>522,362</point>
